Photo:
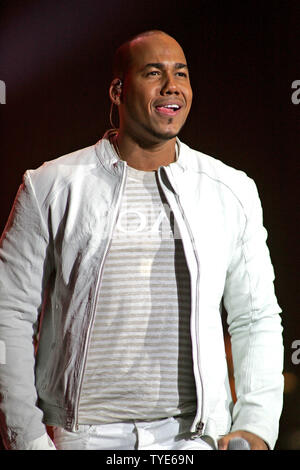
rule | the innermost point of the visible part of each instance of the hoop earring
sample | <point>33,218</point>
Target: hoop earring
<point>110,116</point>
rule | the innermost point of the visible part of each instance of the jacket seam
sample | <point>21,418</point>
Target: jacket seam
<point>64,181</point>
<point>37,203</point>
<point>248,365</point>
<point>233,193</point>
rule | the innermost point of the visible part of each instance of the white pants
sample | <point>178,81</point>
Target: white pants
<point>164,434</point>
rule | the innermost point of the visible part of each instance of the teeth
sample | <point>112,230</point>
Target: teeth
<point>171,106</point>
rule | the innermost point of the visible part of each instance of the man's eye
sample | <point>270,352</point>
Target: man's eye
<point>153,72</point>
<point>182,74</point>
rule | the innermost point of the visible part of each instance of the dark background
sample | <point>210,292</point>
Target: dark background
<point>56,57</point>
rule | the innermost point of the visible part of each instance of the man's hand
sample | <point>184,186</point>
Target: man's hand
<point>255,442</point>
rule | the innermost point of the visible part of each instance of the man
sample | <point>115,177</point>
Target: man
<point>119,256</point>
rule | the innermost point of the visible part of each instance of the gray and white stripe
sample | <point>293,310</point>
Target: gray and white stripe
<point>139,363</point>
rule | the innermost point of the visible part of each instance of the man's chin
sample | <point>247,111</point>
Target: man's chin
<point>164,135</point>
<point>168,133</point>
<point>156,134</point>
<point>167,136</point>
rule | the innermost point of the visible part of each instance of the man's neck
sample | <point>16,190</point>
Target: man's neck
<point>148,158</point>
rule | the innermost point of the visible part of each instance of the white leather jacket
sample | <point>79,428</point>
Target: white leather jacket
<point>52,255</point>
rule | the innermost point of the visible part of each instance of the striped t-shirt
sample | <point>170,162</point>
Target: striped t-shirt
<point>139,364</point>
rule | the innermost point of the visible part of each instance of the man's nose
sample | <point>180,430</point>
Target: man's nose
<point>170,86</point>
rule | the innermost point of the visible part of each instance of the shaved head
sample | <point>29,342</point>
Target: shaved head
<point>123,55</point>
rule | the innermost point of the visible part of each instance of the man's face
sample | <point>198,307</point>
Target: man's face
<point>157,94</point>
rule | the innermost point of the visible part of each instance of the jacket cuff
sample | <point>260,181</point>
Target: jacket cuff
<point>260,431</point>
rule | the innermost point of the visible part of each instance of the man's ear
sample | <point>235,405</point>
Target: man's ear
<point>115,91</point>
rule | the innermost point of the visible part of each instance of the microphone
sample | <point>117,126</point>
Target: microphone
<point>238,443</point>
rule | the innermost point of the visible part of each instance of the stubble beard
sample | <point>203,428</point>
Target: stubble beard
<point>162,135</point>
<point>151,136</point>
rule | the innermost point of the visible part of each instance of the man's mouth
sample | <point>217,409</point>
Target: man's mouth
<point>168,109</point>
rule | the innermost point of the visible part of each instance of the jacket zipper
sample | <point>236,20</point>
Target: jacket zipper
<point>116,215</point>
<point>199,425</point>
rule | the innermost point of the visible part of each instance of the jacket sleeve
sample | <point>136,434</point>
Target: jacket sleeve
<point>254,325</point>
<point>25,265</point>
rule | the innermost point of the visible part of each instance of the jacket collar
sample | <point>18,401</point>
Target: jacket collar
<point>109,158</point>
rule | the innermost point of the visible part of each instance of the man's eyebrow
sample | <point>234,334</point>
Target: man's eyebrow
<point>159,65</point>
<point>179,65</point>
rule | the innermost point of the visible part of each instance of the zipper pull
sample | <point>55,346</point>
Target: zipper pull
<point>199,429</point>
